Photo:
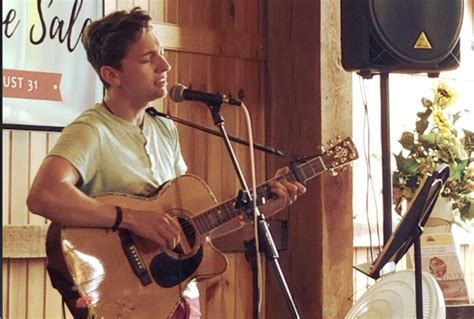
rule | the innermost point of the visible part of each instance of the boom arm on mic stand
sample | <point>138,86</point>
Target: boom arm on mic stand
<point>152,111</point>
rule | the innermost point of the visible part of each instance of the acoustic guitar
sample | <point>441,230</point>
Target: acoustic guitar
<point>126,276</point>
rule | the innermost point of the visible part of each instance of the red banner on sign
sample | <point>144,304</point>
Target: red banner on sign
<point>22,84</point>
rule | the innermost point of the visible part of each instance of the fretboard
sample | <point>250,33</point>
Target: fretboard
<point>222,213</point>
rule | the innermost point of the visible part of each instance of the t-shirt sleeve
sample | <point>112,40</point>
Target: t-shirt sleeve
<point>180,166</point>
<point>79,144</point>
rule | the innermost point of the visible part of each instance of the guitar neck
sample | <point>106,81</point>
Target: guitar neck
<point>226,211</point>
<point>337,156</point>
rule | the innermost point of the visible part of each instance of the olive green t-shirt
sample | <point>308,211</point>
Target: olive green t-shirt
<point>114,155</point>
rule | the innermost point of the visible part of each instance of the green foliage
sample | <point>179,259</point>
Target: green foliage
<point>435,141</point>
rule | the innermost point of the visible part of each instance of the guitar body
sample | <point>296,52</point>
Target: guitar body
<point>94,261</point>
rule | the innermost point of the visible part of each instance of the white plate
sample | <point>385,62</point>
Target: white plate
<point>394,296</point>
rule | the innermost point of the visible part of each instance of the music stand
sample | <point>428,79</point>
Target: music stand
<point>409,230</point>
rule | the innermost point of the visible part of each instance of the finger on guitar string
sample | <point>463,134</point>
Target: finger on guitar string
<point>280,192</point>
<point>158,227</point>
<point>172,230</point>
<point>288,189</point>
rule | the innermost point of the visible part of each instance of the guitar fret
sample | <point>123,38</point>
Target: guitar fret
<point>197,222</point>
<point>229,209</point>
<point>220,217</point>
<point>210,219</point>
<point>303,171</point>
<point>308,171</point>
<point>207,225</point>
<point>316,166</point>
<point>199,225</point>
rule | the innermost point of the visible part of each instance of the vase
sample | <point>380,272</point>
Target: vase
<point>441,217</point>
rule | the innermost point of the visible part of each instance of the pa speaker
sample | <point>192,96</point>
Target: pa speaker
<point>402,36</point>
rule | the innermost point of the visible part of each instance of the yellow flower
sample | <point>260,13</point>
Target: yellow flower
<point>469,171</point>
<point>441,122</point>
<point>444,95</point>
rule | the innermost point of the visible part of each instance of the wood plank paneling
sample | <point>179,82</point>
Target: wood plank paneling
<point>243,284</point>
<point>17,307</point>
<point>157,10</point>
<point>20,176</point>
<point>35,284</point>
<point>145,4</point>
<point>5,288</point>
<point>6,166</point>
<point>18,216</point>
<point>37,151</point>
<point>24,241</point>
<point>124,4</point>
<point>53,302</point>
<point>210,41</point>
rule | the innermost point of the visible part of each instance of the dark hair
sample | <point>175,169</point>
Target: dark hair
<point>107,40</point>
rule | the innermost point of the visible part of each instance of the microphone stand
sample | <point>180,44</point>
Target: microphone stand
<point>267,243</point>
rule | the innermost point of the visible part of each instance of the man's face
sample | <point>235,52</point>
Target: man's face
<point>144,70</point>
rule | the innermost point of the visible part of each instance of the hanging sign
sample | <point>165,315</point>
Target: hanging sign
<point>46,78</point>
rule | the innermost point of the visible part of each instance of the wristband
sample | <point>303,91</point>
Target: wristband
<point>118,218</point>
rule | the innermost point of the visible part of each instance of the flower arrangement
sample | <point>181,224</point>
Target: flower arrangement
<point>434,141</point>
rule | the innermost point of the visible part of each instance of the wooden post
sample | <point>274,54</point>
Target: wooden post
<point>308,103</point>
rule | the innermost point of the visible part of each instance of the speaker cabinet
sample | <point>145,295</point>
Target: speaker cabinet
<point>401,36</point>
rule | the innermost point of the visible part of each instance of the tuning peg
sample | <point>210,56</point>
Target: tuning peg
<point>330,143</point>
<point>339,138</point>
<point>333,172</point>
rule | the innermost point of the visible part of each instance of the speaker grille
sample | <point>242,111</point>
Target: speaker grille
<point>399,25</point>
<point>379,56</point>
<point>405,36</point>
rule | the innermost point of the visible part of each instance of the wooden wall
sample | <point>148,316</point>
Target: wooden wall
<point>27,292</point>
<point>213,45</point>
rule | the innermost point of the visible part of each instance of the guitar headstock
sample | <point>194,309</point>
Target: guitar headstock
<point>339,155</point>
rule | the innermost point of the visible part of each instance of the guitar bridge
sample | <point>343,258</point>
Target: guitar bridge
<point>134,258</point>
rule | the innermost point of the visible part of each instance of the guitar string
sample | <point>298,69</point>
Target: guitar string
<point>202,222</point>
<point>202,219</point>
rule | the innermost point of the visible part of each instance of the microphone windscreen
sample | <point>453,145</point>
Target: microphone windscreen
<point>176,93</point>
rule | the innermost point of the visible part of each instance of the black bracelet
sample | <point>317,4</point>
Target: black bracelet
<point>118,218</point>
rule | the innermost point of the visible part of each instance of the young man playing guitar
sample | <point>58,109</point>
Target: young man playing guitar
<point>117,147</point>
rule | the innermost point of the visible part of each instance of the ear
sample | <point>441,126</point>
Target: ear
<point>110,75</point>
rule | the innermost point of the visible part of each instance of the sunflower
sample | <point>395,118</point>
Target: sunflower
<point>441,122</point>
<point>444,95</point>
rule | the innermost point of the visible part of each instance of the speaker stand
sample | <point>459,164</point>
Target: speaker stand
<point>387,187</point>
<point>386,156</point>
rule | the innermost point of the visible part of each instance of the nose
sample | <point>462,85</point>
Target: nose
<point>162,65</point>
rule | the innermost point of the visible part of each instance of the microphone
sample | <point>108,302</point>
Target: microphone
<point>179,93</point>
